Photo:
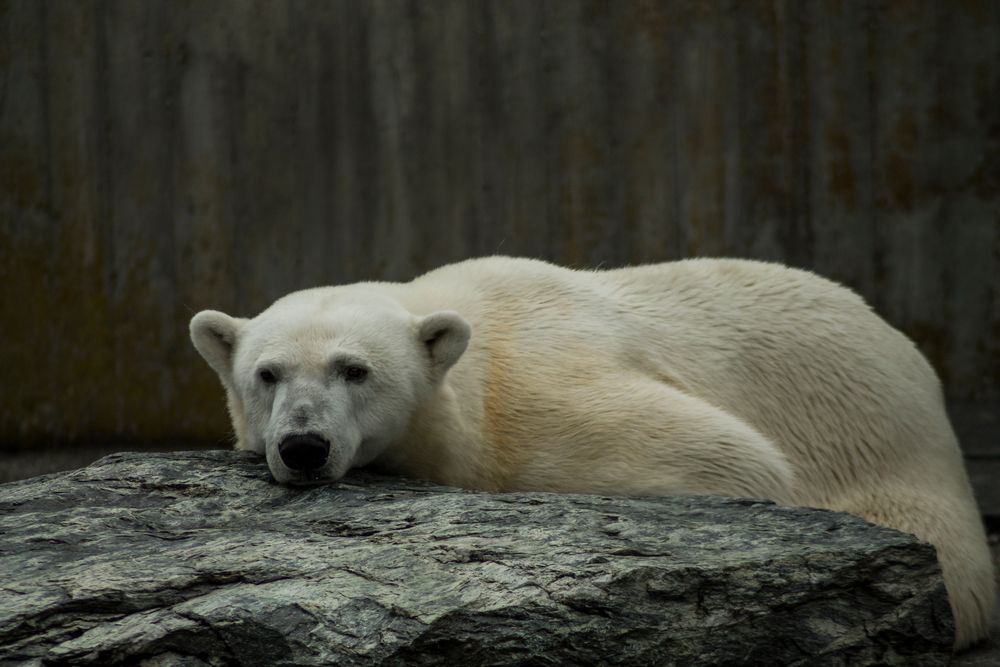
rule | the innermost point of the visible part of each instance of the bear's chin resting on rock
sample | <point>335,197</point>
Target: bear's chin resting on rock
<point>722,377</point>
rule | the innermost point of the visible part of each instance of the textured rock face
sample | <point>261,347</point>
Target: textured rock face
<point>197,558</point>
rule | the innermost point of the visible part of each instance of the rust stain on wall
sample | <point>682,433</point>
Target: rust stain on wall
<point>19,184</point>
<point>843,180</point>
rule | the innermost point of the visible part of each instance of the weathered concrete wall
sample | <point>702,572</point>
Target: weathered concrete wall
<point>160,157</point>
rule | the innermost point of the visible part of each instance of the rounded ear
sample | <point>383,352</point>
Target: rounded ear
<point>445,335</point>
<point>214,335</point>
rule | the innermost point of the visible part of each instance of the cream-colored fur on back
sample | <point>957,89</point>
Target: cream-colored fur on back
<point>702,376</point>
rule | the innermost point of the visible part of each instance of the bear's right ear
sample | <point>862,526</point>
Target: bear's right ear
<point>214,335</point>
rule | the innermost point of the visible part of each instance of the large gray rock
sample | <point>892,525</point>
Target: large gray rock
<point>197,558</point>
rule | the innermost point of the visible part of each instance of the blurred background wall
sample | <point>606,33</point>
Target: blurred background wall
<point>160,157</point>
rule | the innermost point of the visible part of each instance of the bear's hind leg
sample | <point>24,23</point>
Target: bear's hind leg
<point>648,438</point>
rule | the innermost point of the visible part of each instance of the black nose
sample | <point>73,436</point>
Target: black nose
<point>304,452</point>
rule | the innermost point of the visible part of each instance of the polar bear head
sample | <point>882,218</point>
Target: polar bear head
<point>326,379</point>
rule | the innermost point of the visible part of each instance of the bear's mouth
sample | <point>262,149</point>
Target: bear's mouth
<point>310,479</point>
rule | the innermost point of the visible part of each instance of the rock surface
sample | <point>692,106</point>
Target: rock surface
<point>197,558</point>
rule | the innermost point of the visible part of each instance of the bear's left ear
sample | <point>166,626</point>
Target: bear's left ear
<point>445,335</point>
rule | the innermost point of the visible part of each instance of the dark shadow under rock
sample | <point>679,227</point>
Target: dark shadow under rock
<point>196,558</point>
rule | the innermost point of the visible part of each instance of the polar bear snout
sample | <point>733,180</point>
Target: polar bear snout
<point>304,452</point>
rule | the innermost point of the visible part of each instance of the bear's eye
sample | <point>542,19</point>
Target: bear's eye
<point>267,377</point>
<point>355,373</point>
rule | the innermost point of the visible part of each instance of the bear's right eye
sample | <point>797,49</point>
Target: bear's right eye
<point>267,377</point>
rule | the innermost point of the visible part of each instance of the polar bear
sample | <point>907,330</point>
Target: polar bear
<point>702,376</point>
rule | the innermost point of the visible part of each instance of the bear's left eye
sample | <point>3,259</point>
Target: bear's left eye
<point>267,377</point>
<point>355,373</point>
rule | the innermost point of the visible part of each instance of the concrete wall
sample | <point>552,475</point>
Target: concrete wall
<point>159,157</point>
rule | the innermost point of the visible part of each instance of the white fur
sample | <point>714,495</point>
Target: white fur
<point>704,376</point>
